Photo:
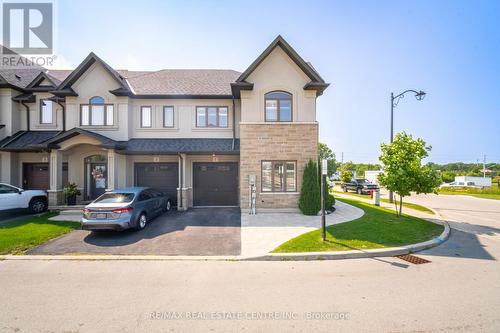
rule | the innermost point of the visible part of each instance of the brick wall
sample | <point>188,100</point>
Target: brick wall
<point>291,141</point>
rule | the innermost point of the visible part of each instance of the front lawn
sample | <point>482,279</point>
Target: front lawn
<point>405,204</point>
<point>18,236</point>
<point>377,228</point>
<point>487,193</point>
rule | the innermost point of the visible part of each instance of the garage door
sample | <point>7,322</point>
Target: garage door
<point>215,184</point>
<point>163,176</point>
<point>36,176</point>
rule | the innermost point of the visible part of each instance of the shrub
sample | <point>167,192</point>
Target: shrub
<point>310,201</point>
<point>329,198</point>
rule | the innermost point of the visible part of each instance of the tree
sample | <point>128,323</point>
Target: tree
<point>448,176</point>
<point>310,194</point>
<point>325,153</point>
<point>403,170</point>
<point>346,173</point>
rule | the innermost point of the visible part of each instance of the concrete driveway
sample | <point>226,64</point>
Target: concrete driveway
<point>201,231</point>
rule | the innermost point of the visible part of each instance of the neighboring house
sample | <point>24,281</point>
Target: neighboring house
<point>197,134</point>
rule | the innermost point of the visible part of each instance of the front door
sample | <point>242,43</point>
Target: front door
<point>96,176</point>
<point>98,180</point>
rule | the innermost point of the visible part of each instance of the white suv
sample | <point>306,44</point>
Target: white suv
<point>12,197</point>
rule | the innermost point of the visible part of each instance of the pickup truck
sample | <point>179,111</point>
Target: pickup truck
<point>360,186</point>
<point>12,197</point>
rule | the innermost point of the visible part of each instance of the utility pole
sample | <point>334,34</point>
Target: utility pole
<point>324,172</point>
<point>419,95</point>
<point>484,166</point>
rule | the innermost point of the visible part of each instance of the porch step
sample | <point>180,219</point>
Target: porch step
<point>68,210</point>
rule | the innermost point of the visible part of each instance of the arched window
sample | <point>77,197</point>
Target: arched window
<point>96,113</point>
<point>97,100</point>
<point>278,106</point>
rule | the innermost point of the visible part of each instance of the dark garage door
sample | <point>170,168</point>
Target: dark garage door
<point>163,176</point>
<point>36,176</point>
<point>215,184</point>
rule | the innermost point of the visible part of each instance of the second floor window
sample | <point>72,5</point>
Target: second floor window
<point>278,106</point>
<point>211,116</point>
<point>168,116</point>
<point>46,111</point>
<point>146,116</point>
<point>97,113</point>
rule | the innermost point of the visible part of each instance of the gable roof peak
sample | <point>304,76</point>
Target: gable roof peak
<point>84,66</point>
<point>301,63</point>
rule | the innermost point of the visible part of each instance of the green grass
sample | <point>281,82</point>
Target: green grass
<point>405,204</point>
<point>488,193</point>
<point>412,206</point>
<point>377,228</point>
<point>18,236</point>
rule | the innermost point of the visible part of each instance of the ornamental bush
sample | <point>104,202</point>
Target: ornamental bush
<point>310,200</point>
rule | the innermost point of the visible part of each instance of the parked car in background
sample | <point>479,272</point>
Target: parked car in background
<point>12,197</point>
<point>360,186</point>
<point>125,208</point>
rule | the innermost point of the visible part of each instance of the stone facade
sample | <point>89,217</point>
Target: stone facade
<point>273,141</point>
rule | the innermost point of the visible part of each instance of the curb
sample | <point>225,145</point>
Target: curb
<point>302,256</point>
<point>357,254</point>
<point>354,254</point>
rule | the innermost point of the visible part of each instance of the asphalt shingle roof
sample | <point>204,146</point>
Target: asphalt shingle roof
<point>162,82</point>
<point>173,146</point>
<point>34,140</point>
<point>184,82</point>
<point>27,139</point>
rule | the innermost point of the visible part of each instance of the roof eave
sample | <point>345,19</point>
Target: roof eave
<point>237,87</point>
<point>25,98</point>
<point>318,86</point>
<point>64,92</point>
<point>182,96</point>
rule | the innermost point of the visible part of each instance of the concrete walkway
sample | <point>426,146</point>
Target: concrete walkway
<point>406,210</point>
<point>263,232</point>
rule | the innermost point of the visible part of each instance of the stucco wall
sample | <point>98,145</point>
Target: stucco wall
<point>35,114</point>
<point>184,119</point>
<point>278,72</point>
<point>10,115</point>
<point>96,81</point>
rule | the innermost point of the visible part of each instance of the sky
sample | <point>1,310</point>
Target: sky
<point>364,49</point>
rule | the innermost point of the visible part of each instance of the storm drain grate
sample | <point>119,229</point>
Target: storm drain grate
<point>413,259</point>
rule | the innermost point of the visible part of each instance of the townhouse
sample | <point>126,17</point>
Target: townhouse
<point>203,136</point>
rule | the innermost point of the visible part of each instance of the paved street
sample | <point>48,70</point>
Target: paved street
<point>458,291</point>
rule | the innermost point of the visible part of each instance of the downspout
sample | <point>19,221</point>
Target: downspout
<point>63,115</point>
<point>181,176</point>
<point>27,115</point>
<point>234,123</point>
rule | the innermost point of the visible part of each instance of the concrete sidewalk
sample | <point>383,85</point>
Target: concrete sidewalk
<point>263,232</point>
<point>406,210</point>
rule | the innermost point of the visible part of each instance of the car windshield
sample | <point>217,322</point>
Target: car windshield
<point>362,180</point>
<point>115,198</point>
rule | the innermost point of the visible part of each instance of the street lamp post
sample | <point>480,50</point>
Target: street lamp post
<point>419,95</point>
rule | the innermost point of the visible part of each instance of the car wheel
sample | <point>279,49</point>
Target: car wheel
<point>360,191</point>
<point>37,206</point>
<point>168,206</point>
<point>141,222</point>
<point>345,189</point>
